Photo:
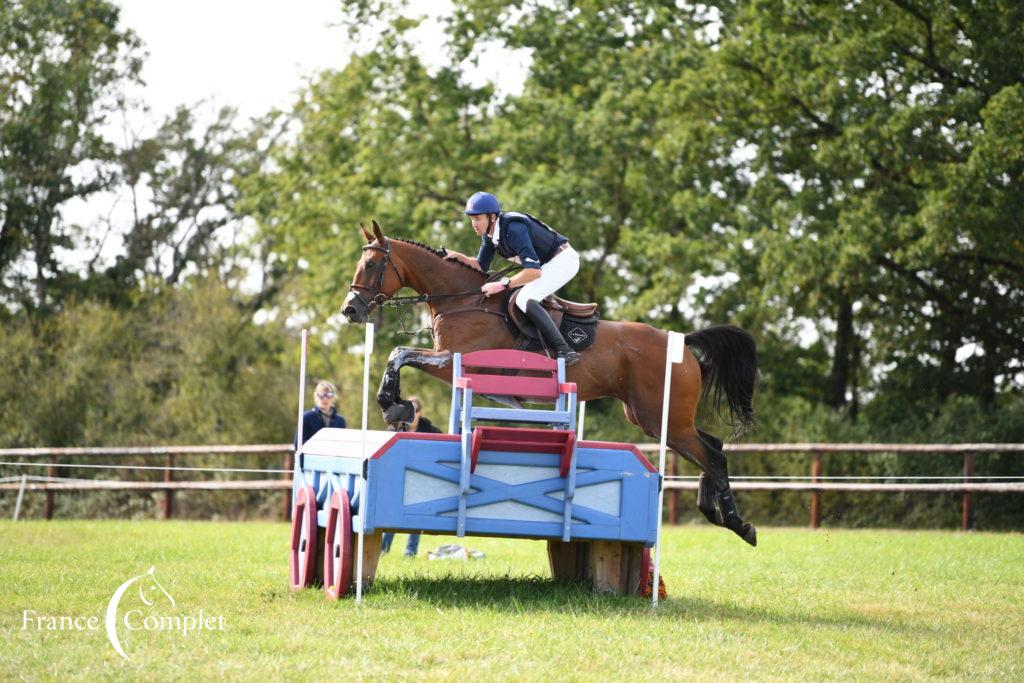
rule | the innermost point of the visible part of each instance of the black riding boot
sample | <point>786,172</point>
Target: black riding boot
<point>539,317</point>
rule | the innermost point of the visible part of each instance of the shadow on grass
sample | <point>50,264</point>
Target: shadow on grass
<point>519,594</point>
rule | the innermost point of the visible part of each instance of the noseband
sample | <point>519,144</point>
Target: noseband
<point>376,298</point>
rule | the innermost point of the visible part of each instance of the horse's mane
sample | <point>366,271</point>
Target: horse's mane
<point>438,253</point>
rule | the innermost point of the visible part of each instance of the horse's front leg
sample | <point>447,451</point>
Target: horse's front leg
<point>435,363</point>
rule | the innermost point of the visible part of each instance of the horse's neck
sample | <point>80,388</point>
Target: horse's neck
<point>428,274</point>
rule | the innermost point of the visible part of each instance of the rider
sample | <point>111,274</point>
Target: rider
<point>547,259</point>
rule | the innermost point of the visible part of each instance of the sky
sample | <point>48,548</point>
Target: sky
<point>251,55</point>
<point>257,55</point>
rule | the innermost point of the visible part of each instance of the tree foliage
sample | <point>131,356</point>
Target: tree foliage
<point>62,70</point>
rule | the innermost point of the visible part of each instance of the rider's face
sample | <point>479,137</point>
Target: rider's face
<point>480,223</point>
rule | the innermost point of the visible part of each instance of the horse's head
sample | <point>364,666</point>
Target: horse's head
<point>377,278</point>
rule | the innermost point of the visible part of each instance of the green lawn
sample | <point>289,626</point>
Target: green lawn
<point>862,605</point>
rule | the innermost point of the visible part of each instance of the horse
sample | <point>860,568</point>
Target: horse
<point>622,362</point>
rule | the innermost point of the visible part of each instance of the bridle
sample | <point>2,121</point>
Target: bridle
<point>377,298</point>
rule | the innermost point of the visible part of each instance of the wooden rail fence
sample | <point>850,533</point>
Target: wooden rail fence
<point>53,483</point>
<point>966,487</point>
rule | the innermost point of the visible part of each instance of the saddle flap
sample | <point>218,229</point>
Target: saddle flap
<point>522,322</point>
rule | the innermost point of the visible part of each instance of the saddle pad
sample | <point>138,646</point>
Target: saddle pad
<point>580,334</point>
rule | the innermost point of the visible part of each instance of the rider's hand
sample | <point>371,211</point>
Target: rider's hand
<point>492,288</point>
<point>454,256</point>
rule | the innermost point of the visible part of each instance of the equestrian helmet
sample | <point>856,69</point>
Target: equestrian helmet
<point>482,202</point>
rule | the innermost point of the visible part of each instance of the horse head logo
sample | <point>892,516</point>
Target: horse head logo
<point>148,588</point>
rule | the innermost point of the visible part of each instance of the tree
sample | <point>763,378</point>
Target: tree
<point>63,67</point>
<point>864,201</point>
<point>180,185</point>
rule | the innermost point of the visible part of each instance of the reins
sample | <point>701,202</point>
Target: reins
<point>405,303</point>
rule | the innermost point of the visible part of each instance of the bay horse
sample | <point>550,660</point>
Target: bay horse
<point>625,360</point>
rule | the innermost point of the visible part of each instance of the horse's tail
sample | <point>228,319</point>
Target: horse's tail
<point>728,363</point>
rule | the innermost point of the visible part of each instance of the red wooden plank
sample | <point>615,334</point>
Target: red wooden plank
<point>508,358</point>
<point>527,387</point>
<point>526,433</point>
<point>474,451</point>
<point>570,440</point>
<point>524,440</point>
<point>524,446</point>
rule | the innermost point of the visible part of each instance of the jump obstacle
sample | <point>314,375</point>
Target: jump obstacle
<point>596,503</point>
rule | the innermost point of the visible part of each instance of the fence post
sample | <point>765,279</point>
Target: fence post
<point>168,493</point>
<point>51,472</point>
<point>967,521</point>
<point>816,495</point>
<point>286,510</point>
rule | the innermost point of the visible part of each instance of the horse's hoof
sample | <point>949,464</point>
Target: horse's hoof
<point>401,411</point>
<point>750,535</point>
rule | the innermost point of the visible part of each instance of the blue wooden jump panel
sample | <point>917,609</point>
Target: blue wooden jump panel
<point>413,485</point>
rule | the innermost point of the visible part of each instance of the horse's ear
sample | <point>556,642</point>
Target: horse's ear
<point>377,231</point>
<point>367,235</point>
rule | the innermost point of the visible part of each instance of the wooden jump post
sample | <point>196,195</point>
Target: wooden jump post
<point>169,493</point>
<point>51,471</point>
<point>967,502</point>
<point>816,495</point>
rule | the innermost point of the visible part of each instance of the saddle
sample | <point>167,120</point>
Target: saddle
<point>576,321</point>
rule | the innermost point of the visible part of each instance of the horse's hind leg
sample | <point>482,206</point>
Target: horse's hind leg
<point>706,498</point>
<point>707,501</point>
<point>714,495</point>
<point>714,484</point>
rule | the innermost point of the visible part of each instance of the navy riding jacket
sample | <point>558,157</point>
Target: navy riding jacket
<point>313,423</point>
<point>523,236</point>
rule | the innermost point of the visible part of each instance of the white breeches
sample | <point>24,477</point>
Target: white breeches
<point>553,275</point>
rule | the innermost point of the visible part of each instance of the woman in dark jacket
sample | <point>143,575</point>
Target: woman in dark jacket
<point>324,415</point>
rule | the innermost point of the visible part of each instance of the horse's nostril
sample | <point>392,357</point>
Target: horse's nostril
<point>349,311</point>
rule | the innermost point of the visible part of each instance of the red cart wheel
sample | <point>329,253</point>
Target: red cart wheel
<point>338,547</point>
<point>302,566</point>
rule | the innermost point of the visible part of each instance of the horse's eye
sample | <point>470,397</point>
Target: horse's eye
<point>370,264</point>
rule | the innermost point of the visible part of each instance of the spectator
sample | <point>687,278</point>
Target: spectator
<point>418,424</point>
<point>323,415</point>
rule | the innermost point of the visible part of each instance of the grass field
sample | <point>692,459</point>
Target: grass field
<point>865,605</point>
